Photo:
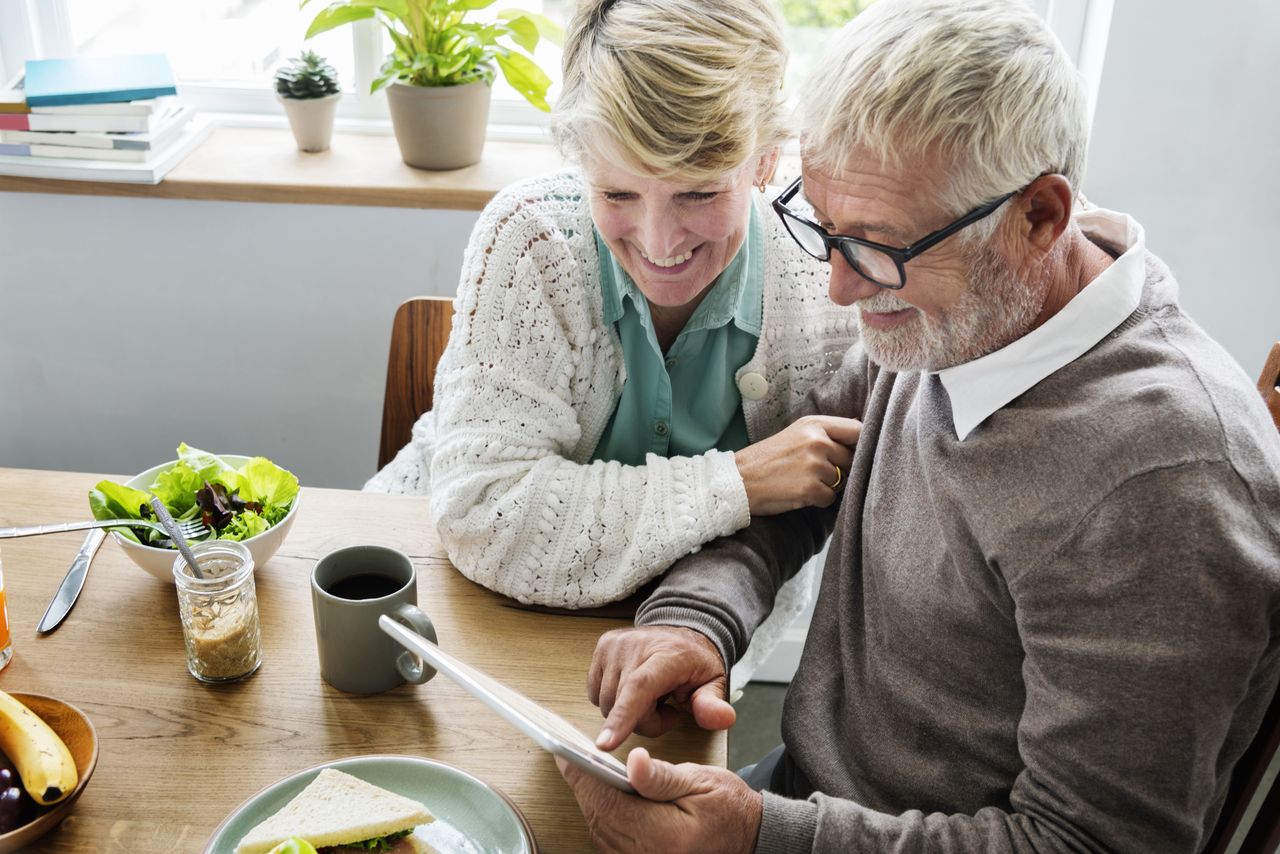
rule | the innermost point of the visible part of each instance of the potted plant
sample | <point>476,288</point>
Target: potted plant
<point>308,88</point>
<point>438,76</point>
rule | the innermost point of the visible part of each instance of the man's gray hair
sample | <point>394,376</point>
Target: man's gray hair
<point>981,86</point>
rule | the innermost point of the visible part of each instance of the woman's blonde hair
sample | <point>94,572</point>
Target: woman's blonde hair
<point>982,86</point>
<point>677,87</point>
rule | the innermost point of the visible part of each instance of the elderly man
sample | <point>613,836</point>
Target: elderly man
<point>1048,619</point>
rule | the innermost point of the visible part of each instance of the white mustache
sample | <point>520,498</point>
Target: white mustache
<point>883,303</point>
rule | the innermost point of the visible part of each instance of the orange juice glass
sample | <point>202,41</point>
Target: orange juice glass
<point>6,648</point>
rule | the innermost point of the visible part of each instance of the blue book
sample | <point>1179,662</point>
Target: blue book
<point>97,79</point>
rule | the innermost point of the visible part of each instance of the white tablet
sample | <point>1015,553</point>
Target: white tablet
<point>550,731</point>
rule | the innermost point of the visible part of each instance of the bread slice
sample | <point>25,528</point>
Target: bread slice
<point>335,809</point>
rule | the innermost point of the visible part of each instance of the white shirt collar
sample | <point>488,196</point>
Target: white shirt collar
<point>978,389</point>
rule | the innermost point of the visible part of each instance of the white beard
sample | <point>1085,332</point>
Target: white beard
<point>995,309</point>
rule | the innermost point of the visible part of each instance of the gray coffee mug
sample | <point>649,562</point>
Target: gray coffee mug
<point>350,589</point>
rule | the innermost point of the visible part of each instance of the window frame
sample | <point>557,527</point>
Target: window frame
<point>1083,27</point>
<point>38,28</point>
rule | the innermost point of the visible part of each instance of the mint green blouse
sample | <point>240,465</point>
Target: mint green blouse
<point>685,402</point>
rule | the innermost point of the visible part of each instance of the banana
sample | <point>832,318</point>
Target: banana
<point>45,765</point>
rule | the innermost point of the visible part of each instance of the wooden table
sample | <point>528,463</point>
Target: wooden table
<point>176,756</point>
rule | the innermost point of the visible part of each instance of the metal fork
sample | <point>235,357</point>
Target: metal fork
<point>191,529</point>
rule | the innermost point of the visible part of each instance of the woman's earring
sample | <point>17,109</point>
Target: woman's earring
<point>762,185</point>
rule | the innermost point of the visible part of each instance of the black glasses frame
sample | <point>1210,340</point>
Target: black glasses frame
<point>900,255</point>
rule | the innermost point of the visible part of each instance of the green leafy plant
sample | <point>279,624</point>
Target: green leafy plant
<point>307,76</point>
<point>435,44</point>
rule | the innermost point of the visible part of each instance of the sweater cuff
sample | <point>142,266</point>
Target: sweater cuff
<point>786,826</point>
<point>689,618</point>
<point>725,482</point>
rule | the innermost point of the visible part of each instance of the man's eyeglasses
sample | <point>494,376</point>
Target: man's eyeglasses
<point>883,265</point>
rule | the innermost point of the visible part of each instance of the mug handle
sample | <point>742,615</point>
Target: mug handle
<point>410,666</point>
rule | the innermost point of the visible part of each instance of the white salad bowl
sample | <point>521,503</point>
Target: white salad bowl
<point>159,562</point>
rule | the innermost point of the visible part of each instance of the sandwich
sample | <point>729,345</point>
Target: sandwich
<point>340,814</point>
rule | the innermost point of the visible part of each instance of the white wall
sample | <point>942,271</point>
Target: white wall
<point>1186,138</point>
<point>279,315</point>
<point>128,325</point>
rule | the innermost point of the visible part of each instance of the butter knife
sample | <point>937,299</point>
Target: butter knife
<point>72,583</point>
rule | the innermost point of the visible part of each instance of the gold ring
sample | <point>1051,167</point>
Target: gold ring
<point>839,474</point>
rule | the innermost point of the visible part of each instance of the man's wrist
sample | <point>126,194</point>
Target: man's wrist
<point>699,638</point>
<point>753,817</point>
<point>694,620</point>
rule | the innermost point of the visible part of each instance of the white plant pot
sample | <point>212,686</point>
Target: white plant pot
<point>311,120</point>
<point>439,127</point>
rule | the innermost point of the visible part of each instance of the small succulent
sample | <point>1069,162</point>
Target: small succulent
<point>308,76</point>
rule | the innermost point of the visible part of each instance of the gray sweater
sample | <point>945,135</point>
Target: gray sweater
<point>1058,634</point>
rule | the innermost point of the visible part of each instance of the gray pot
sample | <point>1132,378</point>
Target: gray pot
<point>311,120</point>
<point>439,127</point>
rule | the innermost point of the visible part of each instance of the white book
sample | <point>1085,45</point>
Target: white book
<point>12,98</point>
<point>55,137</point>
<point>101,124</point>
<point>150,171</point>
<point>167,128</point>
<point>123,108</point>
<point>135,155</point>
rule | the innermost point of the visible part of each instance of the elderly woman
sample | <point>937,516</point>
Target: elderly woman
<point>630,335</point>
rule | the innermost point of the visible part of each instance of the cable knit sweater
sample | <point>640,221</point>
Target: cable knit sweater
<point>528,383</point>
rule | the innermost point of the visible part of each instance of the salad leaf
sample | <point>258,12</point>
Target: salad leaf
<point>205,464</point>
<point>110,500</point>
<point>218,507</point>
<point>176,488</point>
<point>236,504</point>
<point>381,843</point>
<point>243,526</point>
<point>271,486</point>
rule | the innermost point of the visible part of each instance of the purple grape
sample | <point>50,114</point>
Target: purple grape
<point>16,806</point>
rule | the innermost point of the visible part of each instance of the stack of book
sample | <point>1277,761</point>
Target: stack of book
<point>96,119</point>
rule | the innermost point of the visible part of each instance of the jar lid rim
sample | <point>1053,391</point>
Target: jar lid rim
<point>222,548</point>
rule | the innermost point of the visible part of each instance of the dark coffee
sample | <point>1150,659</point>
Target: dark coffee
<point>365,585</point>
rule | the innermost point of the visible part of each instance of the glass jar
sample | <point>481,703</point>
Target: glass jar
<point>219,611</point>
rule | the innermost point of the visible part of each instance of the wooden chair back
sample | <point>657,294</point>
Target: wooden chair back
<point>1250,781</point>
<point>1269,383</point>
<point>419,334</point>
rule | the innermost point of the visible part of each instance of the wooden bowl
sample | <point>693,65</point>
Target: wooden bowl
<point>76,730</point>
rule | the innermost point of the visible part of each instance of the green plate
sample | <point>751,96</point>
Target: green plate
<point>472,817</point>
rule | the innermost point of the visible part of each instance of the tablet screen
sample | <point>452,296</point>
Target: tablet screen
<point>550,731</point>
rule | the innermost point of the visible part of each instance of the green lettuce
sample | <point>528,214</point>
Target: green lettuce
<point>235,503</point>
<point>116,501</point>
<point>176,488</point>
<point>244,525</point>
<point>266,483</point>
<point>380,843</point>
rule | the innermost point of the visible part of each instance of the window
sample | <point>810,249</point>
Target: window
<point>1081,26</point>
<point>224,52</point>
<point>209,42</point>
<point>809,24</point>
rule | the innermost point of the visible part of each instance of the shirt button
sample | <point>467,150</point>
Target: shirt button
<point>670,363</point>
<point>753,386</point>
<point>660,427</point>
